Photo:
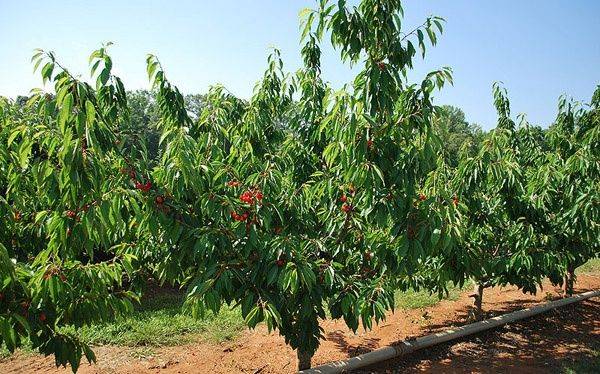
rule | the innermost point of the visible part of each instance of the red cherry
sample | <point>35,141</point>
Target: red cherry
<point>347,208</point>
<point>159,200</point>
<point>422,197</point>
<point>381,65</point>
<point>247,197</point>
<point>370,143</point>
<point>244,217</point>
<point>343,198</point>
<point>280,262</point>
<point>42,317</point>
<point>143,187</point>
<point>258,195</point>
<point>71,214</point>
<point>233,183</point>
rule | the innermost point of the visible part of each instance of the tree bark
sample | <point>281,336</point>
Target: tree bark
<point>568,281</point>
<point>477,301</point>
<point>304,360</point>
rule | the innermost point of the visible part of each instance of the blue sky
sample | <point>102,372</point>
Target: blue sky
<point>540,49</point>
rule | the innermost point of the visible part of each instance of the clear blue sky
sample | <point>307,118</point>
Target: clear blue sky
<point>540,49</point>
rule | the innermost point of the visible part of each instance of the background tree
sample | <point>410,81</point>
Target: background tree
<point>455,132</point>
<point>566,187</point>
<point>500,244</point>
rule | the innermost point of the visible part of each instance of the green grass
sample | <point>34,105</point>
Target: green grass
<point>412,299</point>
<point>592,266</point>
<point>159,321</point>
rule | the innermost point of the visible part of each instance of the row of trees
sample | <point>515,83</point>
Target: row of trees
<point>300,201</point>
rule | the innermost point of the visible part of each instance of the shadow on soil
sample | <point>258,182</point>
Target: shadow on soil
<point>547,343</point>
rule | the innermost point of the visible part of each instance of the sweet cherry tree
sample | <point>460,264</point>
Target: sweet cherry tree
<point>67,210</point>
<point>302,198</point>
<point>565,185</point>
<point>500,244</point>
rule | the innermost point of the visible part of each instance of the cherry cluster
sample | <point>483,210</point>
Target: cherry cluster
<point>144,187</point>
<point>347,207</point>
<point>251,196</point>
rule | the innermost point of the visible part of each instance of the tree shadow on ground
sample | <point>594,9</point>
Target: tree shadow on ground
<point>541,344</point>
<point>352,350</point>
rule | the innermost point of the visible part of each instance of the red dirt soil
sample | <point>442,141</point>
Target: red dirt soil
<point>538,345</point>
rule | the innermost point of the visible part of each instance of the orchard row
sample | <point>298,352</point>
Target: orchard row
<point>300,202</point>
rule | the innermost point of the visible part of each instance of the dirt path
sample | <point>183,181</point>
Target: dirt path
<point>541,344</point>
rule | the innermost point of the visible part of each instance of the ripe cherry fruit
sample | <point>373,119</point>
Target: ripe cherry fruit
<point>42,317</point>
<point>233,183</point>
<point>381,65</point>
<point>422,197</point>
<point>258,195</point>
<point>159,199</point>
<point>143,187</point>
<point>347,208</point>
<point>343,198</point>
<point>280,262</point>
<point>71,214</point>
<point>370,143</point>
<point>247,197</point>
<point>239,217</point>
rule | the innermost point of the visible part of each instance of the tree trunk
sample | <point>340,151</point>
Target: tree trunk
<point>304,360</point>
<point>568,281</point>
<point>477,302</point>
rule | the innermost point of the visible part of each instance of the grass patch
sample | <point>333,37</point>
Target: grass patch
<point>24,349</point>
<point>412,299</point>
<point>590,267</point>
<point>159,321</point>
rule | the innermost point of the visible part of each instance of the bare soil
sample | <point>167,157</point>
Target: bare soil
<point>542,344</point>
